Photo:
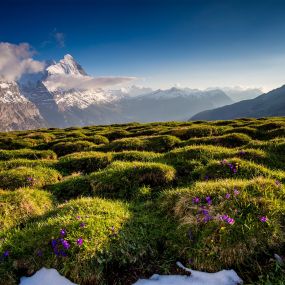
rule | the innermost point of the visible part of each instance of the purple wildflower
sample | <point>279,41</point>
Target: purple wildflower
<point>230,221</point>
<point>208,200</point>
<point>53,243</point>
<point>236,192</point>
<point>207,218</point>
<point>224,217</point>
<point>78,217</point>
<point>227,219</point>
<point>196,200</point>
<point>63,232</point>
<point>263,219</point>
<point>82,225</point>
<point>79,241</point>
<point>40,253</point>
<point>228,195</point>
<point>6,253</point>
<point>65,243</point>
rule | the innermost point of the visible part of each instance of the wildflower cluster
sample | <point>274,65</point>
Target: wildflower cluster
<point>61,245</point>
<point>204,211</point>
<point>232,166</point>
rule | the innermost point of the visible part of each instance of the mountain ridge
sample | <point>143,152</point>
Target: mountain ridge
<point>265,105</point>
<point>52,99</point>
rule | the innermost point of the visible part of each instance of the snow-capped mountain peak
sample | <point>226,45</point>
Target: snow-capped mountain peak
<point>66,66</point>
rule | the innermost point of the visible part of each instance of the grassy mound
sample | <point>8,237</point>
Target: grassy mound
<point>125,144</point>
<point>40,137</point>
<point>64,148</point>
<point>85,162</point>
<point>144,156</point>
<point>230,223</point>
<point>15,163</point>
<point>97,139</point>
<point>16,207</point>
<point>151,143</point>
<point>237,168</point>
<point>39,243</point>
<point>197,131</point>
<point>71,187</point>
<point>229,140</point>
<point>122,179</point>
<point>198,152</point>
<point>100,242</point>
<point>28,177</point>
<point>27,153</point>
<point>11,142</point>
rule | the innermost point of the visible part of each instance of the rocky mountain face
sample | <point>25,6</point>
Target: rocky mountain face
<point>62,96</point>
<point>16,112</point>
<point>266,105</point>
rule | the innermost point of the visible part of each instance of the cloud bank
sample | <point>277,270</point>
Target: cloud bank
<point>67,82</point>
<point>16,60</point>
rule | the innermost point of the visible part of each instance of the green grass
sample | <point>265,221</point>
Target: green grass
<point>28,177</point>
<point>71,187</point>
<point>64,148</point>
<point>17,207</point>
<point>85,162</point>
<point>127,190</point>
<point>27,153</point>
<point>217,243</point>
<point>123,179</point>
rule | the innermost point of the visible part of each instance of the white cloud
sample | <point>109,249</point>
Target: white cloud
<point>15,60</point>
<point>67,82</point>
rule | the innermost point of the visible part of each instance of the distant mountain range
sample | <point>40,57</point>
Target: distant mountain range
<point>265,105</point>
<point>64,95</point>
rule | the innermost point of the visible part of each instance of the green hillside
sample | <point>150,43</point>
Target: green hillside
<point>111,204</point>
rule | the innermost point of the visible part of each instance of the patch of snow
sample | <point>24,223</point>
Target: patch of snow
<point>81,98</point>
<point>45,277</point>
<point>4,85</point>
<point>223,277</point>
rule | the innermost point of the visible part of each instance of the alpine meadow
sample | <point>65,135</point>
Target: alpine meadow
<point>142,142</point>
<point>109,204</point>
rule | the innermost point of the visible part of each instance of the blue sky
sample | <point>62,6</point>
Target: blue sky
<point>190,43</point>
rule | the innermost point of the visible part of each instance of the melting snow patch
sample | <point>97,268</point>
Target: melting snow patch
<point>224,277</point>
<point>46,277</point>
